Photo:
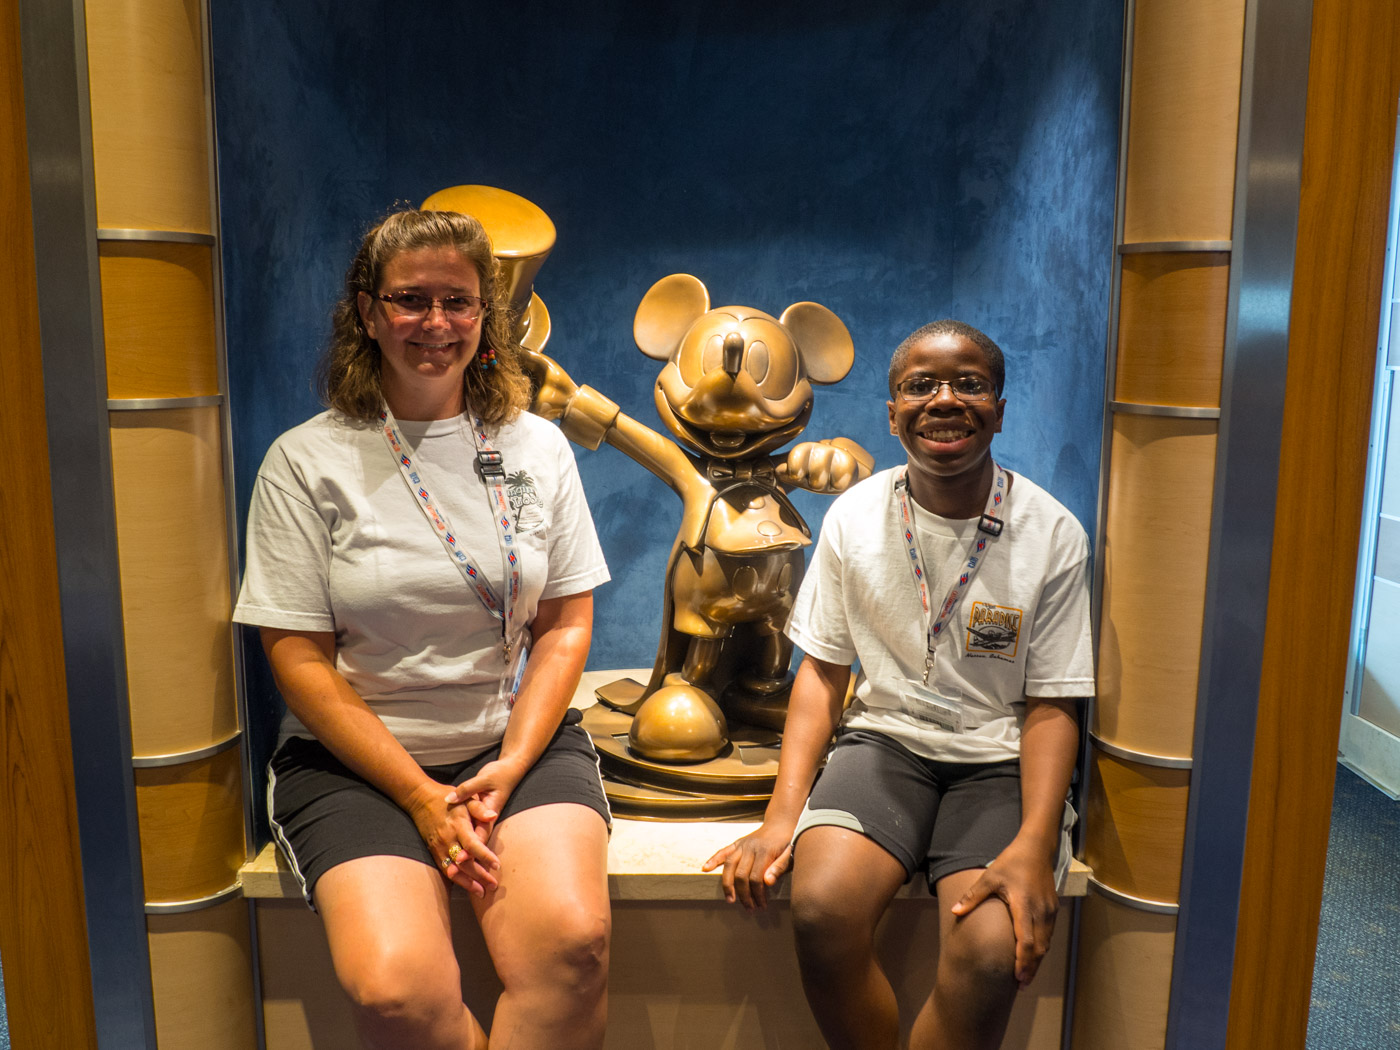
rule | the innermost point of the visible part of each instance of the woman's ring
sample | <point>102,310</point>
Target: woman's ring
<point>454,853</point>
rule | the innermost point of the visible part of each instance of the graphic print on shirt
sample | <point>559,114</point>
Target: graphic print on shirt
<point>993,630</point>
<point>525,503</point>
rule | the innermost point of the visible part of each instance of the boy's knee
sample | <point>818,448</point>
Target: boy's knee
<point>825,926</point>
<point>982,954</point>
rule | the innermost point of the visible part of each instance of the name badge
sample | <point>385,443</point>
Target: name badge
<point>515,673</point>
<point>923,704</point>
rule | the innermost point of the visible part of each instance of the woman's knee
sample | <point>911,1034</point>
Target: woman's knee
<point>397,986</point>
<point>582,943</point>
<point>567,950</point>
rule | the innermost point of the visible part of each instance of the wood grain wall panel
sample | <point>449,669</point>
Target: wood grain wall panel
<point>43,935</point>
<point>1124,977</point>
<point>1182,119</point>
<point>191,818</point>
<point>168,476</point>
<point>1353,85</point>
<point>158,319</point>
<point>149,117</point>
<point>1135,827</point>
<point>1171,328</point>
<point>1156,544</point>
<point>202,979</point>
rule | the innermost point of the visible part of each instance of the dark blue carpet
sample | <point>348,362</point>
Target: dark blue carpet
<point>4,1019</point>
<point>1356,976</point>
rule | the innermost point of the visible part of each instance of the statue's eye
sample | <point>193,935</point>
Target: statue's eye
<point>758,360</point>
<point>713,357</point>
<point>690,361</point>
<point>779,373</point>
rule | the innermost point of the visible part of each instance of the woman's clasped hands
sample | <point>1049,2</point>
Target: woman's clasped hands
<point>457,822</point>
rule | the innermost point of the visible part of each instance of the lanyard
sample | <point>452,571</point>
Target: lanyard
<point>494,474</point>
<point>988,528</point>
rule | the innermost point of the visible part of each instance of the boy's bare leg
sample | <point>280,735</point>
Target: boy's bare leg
<point>975,986</point>
<point>842,884</point>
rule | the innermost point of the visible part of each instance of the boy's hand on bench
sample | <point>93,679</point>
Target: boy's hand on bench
<point>752,865</point>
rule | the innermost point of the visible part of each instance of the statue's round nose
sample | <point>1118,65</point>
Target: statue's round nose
<point>733,353</point>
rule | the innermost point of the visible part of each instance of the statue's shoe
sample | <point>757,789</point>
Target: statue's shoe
<point>678,723</point>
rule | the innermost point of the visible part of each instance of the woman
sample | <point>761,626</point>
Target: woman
<point>398,650</point>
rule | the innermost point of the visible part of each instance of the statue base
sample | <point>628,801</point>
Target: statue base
<point>736,784</point>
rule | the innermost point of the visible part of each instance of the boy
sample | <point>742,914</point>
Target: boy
<point>963,593</point>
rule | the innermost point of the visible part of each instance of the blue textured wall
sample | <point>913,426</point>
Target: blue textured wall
<point>896,161</point>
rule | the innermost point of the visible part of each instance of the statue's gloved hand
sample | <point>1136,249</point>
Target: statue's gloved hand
<point>826,466</point>
<point>554,388</point>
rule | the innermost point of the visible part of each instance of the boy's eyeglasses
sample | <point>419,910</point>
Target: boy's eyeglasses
<point>918,389</point>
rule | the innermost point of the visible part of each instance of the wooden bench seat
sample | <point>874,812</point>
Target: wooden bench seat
<point>647,861</point>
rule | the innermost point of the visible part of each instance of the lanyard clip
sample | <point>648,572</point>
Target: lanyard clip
<point>491,464</point>
<point>928,666</point>
<point>990,525</point>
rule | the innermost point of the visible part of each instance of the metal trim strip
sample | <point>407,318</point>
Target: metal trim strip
<point>158,236</point>
<point>1144,247</point>
<point>180,757</point>
<point>1141,757</point>
<point>148,404</point>
<point>228,893</point>
<point>1129,901</point>
<point>1136,408</point>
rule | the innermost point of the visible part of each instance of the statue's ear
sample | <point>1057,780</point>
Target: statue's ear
<point>825,344</point>
<point>667,311</point>
<point>536,324</point>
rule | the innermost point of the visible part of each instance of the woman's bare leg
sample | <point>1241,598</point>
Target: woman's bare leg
<point>390,937</point>
<point>547,925</point>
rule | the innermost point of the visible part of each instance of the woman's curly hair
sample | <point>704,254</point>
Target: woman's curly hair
<point>348,375</point>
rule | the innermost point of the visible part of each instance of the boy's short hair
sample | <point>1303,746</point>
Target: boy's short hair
<point>996,360</point>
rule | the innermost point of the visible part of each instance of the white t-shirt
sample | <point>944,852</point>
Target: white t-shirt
<point>336,542</point>
<point>1021,629</point>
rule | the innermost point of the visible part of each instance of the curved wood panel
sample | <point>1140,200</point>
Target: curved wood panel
<point>191,819</point>
<point>1135,827</point>
<point>1171,328</point>
<point>158,319</point>
<point>1156,543</point>
<point>201,977</point>
<point>1183,118</point>
<point>173,549</point>
<point>1123,978</point>
<point>149,121</point>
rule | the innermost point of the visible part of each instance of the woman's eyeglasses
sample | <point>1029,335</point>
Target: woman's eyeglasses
<point>416,306</point>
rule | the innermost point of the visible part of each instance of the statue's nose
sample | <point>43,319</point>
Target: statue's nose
<point>733,353</point>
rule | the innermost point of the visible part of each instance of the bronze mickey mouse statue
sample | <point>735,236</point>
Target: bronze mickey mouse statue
<point>736,386</point>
